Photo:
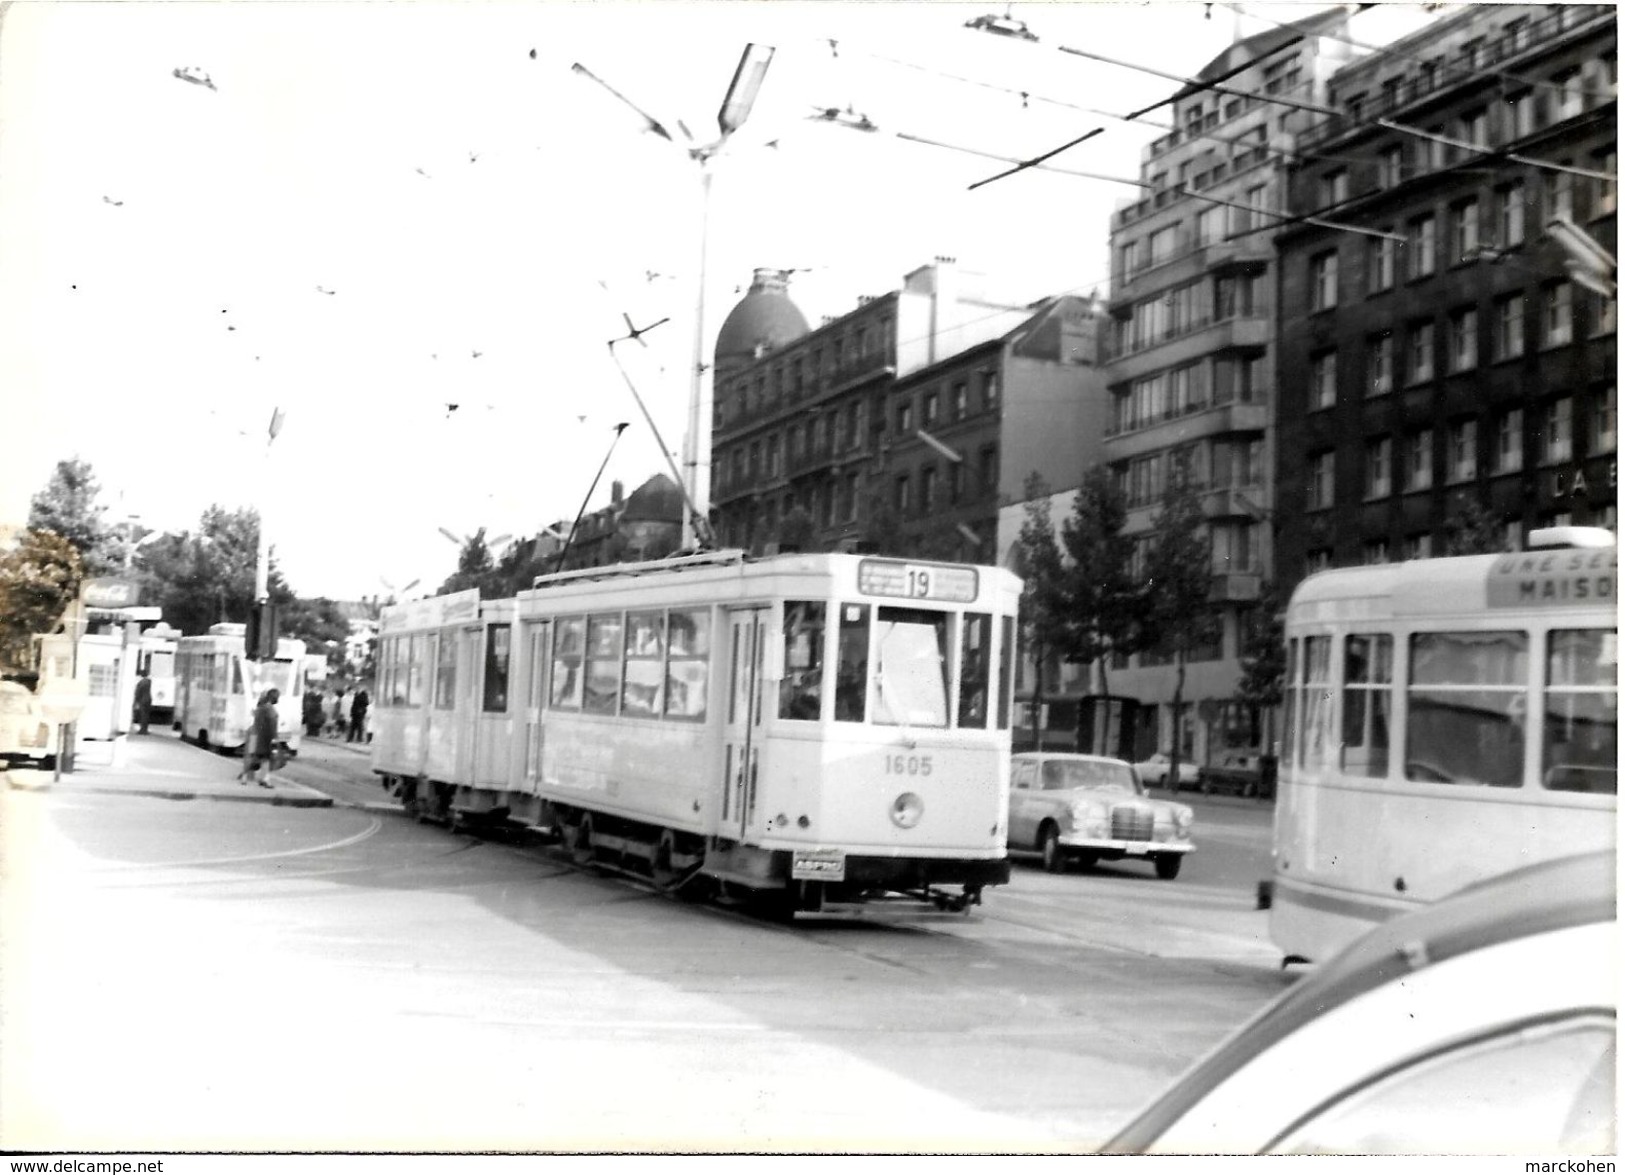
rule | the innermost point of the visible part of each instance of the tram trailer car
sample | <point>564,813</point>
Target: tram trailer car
<point>822,731</point>
<point>1447,720</point>
<point>217,687</point>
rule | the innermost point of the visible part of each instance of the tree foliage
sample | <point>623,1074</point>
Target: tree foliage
<point>68,507</point>
<point>476,569</point>
<point>1037,559</point>
<point>39,578</point>
<point>1263,652</point>
<point>796,530</point>
<point>1101,603</point>
<point>1179,588</point>
<point>1473,529</point>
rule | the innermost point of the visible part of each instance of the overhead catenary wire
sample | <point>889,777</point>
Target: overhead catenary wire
<point>1480,149</point>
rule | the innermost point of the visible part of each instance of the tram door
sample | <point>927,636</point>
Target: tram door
<point>469,683</point>
<point>742,730</point>
<point>535,700</point>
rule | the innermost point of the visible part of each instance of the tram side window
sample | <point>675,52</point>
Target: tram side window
<point>1289,705</point>
<point>644,675</point>
<point>801,692</point>
<point>1368,678</point>
<point>568,643</point>
<point>445,673</point>
<point>1007,661</point>
<point>417,653</point>
<point>976,640</point>
<point>1468,705</point>
<point>1580,751</point>
<point>688,663</point>
<point>911,679</point>
<point>1318,732</point>
<point>852,663</point>
<point>603,675</point>
<point>498,643</point>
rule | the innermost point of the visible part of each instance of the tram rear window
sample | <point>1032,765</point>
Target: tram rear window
<point>910,676</point>
<point>1580,751</point>
<point>1468,708</point>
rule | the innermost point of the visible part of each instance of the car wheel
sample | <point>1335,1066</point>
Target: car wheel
<point>1168,865</point>
<point>1049,845</point>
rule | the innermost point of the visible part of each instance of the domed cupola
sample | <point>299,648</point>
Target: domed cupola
<point>764,320</point>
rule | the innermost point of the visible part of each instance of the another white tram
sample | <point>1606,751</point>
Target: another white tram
<point>1446,720</point>
<point>820,730</point>
<point>217,688</point>
<point>155,655</point>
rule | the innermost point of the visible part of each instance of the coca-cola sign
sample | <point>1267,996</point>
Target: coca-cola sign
<point>109,592</point>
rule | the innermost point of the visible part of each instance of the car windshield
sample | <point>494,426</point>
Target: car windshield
<point>1067,774</point>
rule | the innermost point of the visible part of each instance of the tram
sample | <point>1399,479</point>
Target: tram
<point>817,731</point>
<point>217,688</point>
<point>155,656</point>
<point>1446,720</point>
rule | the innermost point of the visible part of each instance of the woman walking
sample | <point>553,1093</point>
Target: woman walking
<point>261,740</point>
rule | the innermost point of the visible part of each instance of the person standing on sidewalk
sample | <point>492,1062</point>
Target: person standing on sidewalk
<point>330,710</point>
<point>261,740</point>
<point>346,701</point>
<point>143,700</point>
<point>312,712</point>
<point>358,714</point>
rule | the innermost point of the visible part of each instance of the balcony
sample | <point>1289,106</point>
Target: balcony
<point>1179,427</point>
<point>1193,342</point>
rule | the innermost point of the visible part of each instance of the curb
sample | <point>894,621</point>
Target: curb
<point>314,799</point>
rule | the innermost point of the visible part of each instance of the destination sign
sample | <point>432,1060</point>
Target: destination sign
<point>917,581</point>
<point>1555,579</point>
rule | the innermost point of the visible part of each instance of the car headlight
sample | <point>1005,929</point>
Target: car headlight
<point>1182,821</point>
<point>1089,819</point>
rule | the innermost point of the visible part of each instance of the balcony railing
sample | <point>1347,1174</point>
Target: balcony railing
<point>1153,419</point>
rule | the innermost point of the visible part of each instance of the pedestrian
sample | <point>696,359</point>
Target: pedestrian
<point>311,712</point>
<point>358,714</point>
<point>261,741</point>
<point>143,699</point>
<point>330,710</point>
<point>346,700</point>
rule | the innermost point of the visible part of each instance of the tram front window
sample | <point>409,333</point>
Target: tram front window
<point>910,673</point>
<point>277,675</point>
<point>801,690</point>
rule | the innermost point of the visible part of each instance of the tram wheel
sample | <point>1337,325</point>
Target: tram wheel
<point>660,866</point>
<point>1049,846</point>
<point>578,840</point>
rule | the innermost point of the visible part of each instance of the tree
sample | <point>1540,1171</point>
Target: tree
<point>320,623</point>
<point>796,530</point>
<point>475,569</point>
<point>201,579</point>
<point>883,530</point>
<point>1474,529</point>
<point>39,578</point>
<point>1179,574</point>
<point>1102,603</point>
<point>1263,653</point>
<point>1037,560</point>
<point>67,505</point>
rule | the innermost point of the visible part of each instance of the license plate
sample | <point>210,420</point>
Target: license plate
<point>818,865</point>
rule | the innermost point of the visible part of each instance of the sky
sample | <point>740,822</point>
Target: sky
<point>359,215</point>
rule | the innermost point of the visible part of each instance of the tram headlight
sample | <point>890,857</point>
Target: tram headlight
<point>907,809</point>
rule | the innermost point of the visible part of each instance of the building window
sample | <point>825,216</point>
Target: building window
<point>961,400</point>
<point>1419,365</point>
<point>1421,247</point>
<point>1463,441</point>
<point>1162,245</point>
<point>1464,339</point>
<point>1419,461</point>
<point>1323,380</point>
<point>1320,481</point>
<point>1605,193</point>
<point>1390,167</point>
<point>1374,552</point>
<point>1557,432</point>
<point>1319,559</point>
<point>1475,128</point>
<point>1560,192</point>
<point>1209,226</point>
<point>1603,313</point>
<point>1464,222</point>
<point>1509,326</point>
<point>928,488</point>
<point>930,409</point>
<point>1419,546</point>
<point>1380,257</point>
<point>1570,101</point>
<point>1334,187</point>
<point>900,501</point>
<point>956,481</point>
<point>1380,364</point>
<point>990,390</point>
<point>1558,317</point>
<point>905,417</point>
<point>1323,281</point>
<point>1521,114</point>
<point>1379,468</point>
<point>990,470</point>
<point>1509,210</point>
<point>1509,441</point>
<point>1604,420</point>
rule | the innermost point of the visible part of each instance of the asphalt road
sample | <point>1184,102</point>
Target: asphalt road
<point>196,976</point>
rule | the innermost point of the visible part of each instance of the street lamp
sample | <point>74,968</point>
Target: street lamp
<point>731,115</point>
<point>260,640</point>
<point>1589,264</point>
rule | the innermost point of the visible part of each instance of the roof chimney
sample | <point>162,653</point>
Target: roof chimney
<point>770,281</point>
<point>616,489</point>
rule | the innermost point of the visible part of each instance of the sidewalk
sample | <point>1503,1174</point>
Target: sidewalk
<point>160,765</point>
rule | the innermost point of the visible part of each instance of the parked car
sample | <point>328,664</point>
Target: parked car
<point>1481,1024</point>
<point>1089,808</point>
<point>1153,772</point>
<point>1238,773</point>
<point>25,737</point>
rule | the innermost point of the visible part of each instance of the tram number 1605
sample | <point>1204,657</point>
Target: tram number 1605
<point>908,764</point>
